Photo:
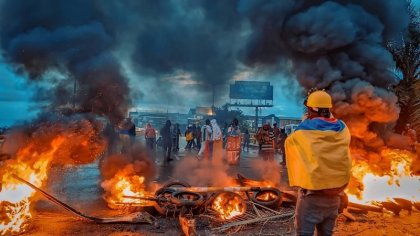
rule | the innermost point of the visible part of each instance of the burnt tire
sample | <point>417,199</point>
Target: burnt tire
<point>187,199</point>
<point>274,200</point>
<point>164,207</point>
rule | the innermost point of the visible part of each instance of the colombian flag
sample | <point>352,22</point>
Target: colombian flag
<point>318,155</point>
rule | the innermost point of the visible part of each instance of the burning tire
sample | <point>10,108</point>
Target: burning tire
<point>268,197</point>
<point>188,199</point>
<point>228,205</point>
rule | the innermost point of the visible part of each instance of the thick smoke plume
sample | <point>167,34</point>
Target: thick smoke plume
<point>335,45</point>
<point>338,46</point>
<point>71,38</point>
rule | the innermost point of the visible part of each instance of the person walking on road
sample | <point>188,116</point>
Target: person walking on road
<point>247,139</point>
<point>166,135</point>
<point>276,132</point>
<point>217,138</point>
<point>198,137</point>
<point>176,132</point>
<point>189,137</point>
<point>319,162</point>
<point>150,136</point>
<point>265,137</point>
<point>206,149</point>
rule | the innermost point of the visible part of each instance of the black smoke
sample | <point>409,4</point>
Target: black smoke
<point>338,46</point>
<point>200,38</point>
<point>70,38</point>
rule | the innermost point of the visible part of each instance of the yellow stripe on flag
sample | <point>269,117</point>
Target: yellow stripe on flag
<point>318,159</point>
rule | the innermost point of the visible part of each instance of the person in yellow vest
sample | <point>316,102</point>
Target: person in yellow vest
<point>319,163</point>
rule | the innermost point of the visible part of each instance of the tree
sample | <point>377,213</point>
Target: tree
<point>407,59</point>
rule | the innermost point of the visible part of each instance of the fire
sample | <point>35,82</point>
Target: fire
<point>126,183</point>
<point>51,143</point>
<point>15,196</point>
<point>228,205</point>
<point>388,176</point>
<point>267,196</point>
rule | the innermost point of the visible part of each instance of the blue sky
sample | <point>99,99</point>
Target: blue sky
<point>15,98</point>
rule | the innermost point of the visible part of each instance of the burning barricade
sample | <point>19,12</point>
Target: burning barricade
<point>377,185</point>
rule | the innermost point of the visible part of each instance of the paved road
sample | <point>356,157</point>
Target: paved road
<point>80,186</point>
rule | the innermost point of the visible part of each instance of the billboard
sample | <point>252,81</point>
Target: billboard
<point>251,90</point>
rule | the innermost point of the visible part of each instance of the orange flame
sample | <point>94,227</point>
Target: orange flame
<point>75,142</point>
<point>17,195</point>
<point>267,196</point>
<point>125,183</point>
<point>228,205</point>
<point>386,176</point>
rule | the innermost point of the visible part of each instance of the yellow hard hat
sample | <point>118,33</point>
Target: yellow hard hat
<point>319,99</point>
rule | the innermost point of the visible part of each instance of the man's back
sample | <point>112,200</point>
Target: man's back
<point>318,154</point>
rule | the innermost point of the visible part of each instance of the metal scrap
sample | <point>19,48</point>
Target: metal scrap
<point>137,217</point>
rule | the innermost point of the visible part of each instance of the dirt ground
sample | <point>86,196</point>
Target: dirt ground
<point>59,222</point>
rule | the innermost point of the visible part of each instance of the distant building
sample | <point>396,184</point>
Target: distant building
<point>158,119</point>
<point>199,114</point>
<point>280,120</point>
<point>284,120</point>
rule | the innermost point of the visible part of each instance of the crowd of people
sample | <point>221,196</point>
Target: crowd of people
<point>209,140</point>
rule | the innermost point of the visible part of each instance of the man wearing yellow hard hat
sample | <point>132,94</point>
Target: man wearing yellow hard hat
<point>319,163</point>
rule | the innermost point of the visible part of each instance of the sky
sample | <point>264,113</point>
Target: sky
<point>185,79</point>
<point>15,98</point>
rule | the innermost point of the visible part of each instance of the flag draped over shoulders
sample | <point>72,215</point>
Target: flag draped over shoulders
<point>318,155</point>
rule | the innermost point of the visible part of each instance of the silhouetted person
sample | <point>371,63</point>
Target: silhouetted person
<point>207,149</point>
<point>276,132</point>
<point>166,135</point>
<point>132,133</point>
<point>247,139</point>
<point>198,136</point>
<point>176,132</point>
<point>189,137</point>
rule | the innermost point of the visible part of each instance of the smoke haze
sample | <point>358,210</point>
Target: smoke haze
<point>168,45</point>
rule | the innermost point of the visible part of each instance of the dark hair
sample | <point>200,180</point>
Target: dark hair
<point>207,121</point>
<point>324,112</point>
<point>168,123</point>
<point>235,122</point>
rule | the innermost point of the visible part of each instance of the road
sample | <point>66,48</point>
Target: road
<point>80,188</point>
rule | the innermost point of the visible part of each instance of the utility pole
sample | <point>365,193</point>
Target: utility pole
<point>74,95</point>
<point>213,93</point>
